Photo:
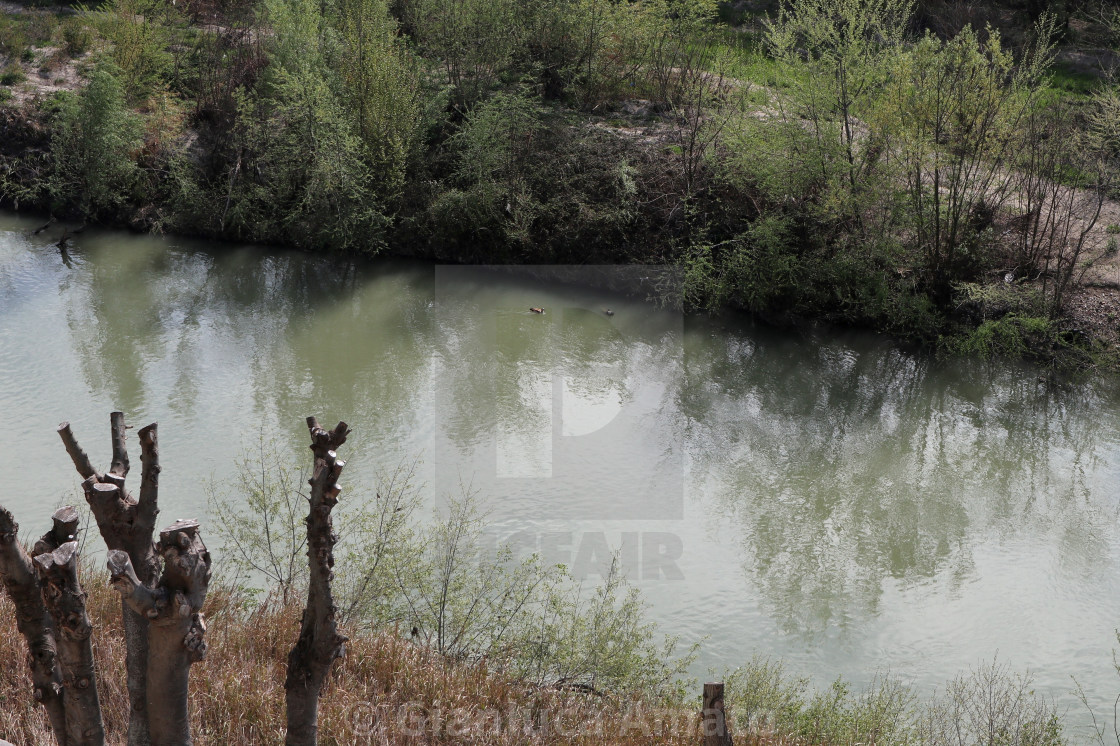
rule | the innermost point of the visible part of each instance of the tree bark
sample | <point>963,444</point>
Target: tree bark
<point>320,642</point>
<point>176,636</point>
<point>34,623</point>
<point>64,528</point>
<point>63,596</point>
<point>126,525</point>
<point>713,723</point>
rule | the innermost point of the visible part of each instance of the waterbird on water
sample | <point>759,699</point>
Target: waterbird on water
<point>534,309</point>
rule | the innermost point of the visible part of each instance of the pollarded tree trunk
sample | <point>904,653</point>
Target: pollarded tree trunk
<point>126,524</point>
<point>176,636</point>
<point>34,623</point>
<point>320,642</point>
<point>66,602</point>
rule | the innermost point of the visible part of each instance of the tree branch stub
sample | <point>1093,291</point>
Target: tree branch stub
<point>63,530</point>
<point>320,642</point>
<point>117,430</point>
<point>34,623</point>
<point>66,602</point>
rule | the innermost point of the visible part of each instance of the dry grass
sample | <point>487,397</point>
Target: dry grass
<point>386,690</point>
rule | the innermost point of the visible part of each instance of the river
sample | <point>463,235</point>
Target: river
<point>824,497</point>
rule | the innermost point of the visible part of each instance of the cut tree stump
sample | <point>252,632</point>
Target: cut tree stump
<point>66,601</point>
<point>34,623</point>
<point>713,722</point>
<point>176,636</point>
<point>320,642</point>
<point>126,524</point>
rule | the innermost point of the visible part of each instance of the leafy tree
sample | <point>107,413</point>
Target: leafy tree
<point>839,53</point>
<point>300,175</point>
<point>474,42</point>
<point>95,136</point>
<point>960,108</point>
<point>382,89</point>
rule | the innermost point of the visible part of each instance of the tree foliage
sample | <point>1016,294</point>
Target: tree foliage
<point>94,139</point>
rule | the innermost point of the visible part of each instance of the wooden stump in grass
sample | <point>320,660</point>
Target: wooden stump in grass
<point>176,635</point>
<point>713,724</point>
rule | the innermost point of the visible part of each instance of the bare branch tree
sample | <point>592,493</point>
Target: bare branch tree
<point>126,525</point>
<point>320,642</point>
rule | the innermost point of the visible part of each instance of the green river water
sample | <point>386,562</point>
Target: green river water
<point>829,498</point>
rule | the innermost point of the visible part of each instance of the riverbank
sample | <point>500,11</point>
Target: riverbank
<point>705,138</point>
<point>390,690</point>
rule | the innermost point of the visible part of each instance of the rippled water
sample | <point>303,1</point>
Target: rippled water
<point>828,498</point>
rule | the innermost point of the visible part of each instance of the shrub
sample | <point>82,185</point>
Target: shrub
<point>76,38</point>
<point>301,177</point>
<point>474,41</point>
<point>13,36</point>
<point>1010,336</point>
<point>95,136</point>
<point>139,32</point>
<point>261,523</point>
<point>12,74</point>
<point>990,705</point>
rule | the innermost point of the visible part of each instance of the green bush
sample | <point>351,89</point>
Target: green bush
<point>76,37</point>
<point>762,267</point>
<point>474,41</point>
<point>13,36</point>
<point>494,152</point>
<point>1012,336</point>
<point>12,74</point>
<point>95,136</point>
<point>139,32</point>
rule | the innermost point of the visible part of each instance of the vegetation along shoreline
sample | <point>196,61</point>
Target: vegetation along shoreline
<point>940,172</point>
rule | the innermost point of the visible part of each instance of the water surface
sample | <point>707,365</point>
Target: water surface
<point>829,498</point>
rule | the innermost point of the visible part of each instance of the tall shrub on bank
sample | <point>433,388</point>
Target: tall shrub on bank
<point>961,108</point>
<point>381,89</point>
<point>321,146</point>
<point>95,136</point>
<point>839,55</point>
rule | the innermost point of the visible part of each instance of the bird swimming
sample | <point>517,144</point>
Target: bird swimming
<point>534,309</point>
